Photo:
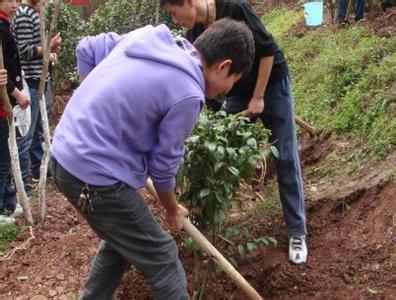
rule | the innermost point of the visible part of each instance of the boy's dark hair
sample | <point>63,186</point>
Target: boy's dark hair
<point>171,2</point>
<point>227,39</point>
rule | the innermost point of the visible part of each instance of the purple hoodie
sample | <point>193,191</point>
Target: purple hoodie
<point>130,116</point>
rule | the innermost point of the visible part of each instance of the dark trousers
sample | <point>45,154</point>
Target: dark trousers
<point>278,116</point>
<point>343,7</point>
<point>30,147</point>
<point>7,193</point>
<point>130,236</point>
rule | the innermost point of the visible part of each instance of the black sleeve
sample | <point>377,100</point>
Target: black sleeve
<point>264,42</point>
<point>10,85</point>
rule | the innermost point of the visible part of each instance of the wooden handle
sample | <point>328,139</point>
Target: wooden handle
<point>212,252</point>
<point>304,125</point>
<point>308,128</point>
<point>219,259</point>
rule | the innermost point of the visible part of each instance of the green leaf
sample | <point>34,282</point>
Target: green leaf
<point>233,261</point>
<point>241,250</point>
<point>274,151</point>
<point>193,139</point>
<point>234,171</point>
<point>203,193</point>
<point>252,143</point>
<point>251,247</point>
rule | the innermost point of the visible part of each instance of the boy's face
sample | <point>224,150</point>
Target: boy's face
<point>9,7</point>
<point>184,15</point>
<point>218,80</point>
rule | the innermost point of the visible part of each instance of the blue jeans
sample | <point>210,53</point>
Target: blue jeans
<point>278,116</point>
<point>7,193</point>
<point>30,146</point>
<point>130,236</point>
<point>342,10</point>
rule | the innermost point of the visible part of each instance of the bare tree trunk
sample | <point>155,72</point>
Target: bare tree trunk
<point>45,43</point>
<point>16,173</point>
<point>16,170</point>
<point>157,13</point>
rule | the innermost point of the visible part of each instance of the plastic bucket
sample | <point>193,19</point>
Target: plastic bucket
<point>313,12</point>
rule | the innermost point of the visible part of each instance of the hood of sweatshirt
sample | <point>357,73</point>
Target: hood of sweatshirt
<point>158,44</point>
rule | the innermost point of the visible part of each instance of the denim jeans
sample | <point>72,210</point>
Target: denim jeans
<point>30,146</point>
<point>343,6</point>
<point>130,236</point>
<point>7,193</point>
<point>278,116</point>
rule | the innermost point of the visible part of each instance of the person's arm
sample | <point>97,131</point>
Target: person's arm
<point>166,153</point>
<point>21,98</point>
<point>256,104</point>
<point>165,157</point>
<point>3,77</point>
<point>92,50</point>
<point>174,211</point>
<point>265,47</point>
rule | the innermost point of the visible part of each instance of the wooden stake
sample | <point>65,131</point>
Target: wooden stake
<point>212,252</point>
<point>16,170</point>
<point>45,43</point>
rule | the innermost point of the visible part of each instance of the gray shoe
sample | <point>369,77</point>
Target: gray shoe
<point>298,251</point>
<point>4,220</point>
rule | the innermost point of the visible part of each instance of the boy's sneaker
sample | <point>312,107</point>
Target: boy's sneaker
<point>298,250</point>
<point>17,211</point>
<point>4,220</point>
<point>35,179</point>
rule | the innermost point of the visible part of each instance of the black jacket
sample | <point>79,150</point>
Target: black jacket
<point>265,44</point>
<point>11,59</point>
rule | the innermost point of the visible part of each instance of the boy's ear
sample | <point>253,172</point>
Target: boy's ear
<point>225,64</point>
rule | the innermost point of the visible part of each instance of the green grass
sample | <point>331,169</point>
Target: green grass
<point>343,79</point>
<point>281,20</point>
<point>8,233</point>
<point>270,202</point>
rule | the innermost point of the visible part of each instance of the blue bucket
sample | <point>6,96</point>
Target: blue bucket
<point>313,12</point>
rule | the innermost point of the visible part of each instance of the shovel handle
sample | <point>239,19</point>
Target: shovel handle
<point>212,252</point>
<point>304,125</point>
<point>219,259</point>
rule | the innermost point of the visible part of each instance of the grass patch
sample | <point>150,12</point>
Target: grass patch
<point>280,20</point>
<point>343,79</point>
<point>269,203</point>
<point>8,233</point>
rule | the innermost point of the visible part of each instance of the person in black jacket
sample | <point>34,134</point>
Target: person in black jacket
<point>266,93</point>
<point>17,97</point>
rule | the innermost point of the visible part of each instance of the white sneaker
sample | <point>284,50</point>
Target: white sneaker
<point>17,211</point>
<point>298,250</point>
<point>4,220</point>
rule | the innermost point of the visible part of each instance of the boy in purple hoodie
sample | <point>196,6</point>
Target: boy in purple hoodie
<point>140,98</point>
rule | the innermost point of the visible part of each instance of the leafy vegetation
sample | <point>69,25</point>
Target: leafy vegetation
<point>8,233</point>
<point>119,16</point>
<point>221,153</point>
<point>344,80</point>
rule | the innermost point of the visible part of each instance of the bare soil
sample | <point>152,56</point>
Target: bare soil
<point>352,245</point>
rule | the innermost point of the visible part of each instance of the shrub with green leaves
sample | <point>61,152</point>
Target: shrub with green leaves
<point>221,152</point>
<point>120,16</point>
